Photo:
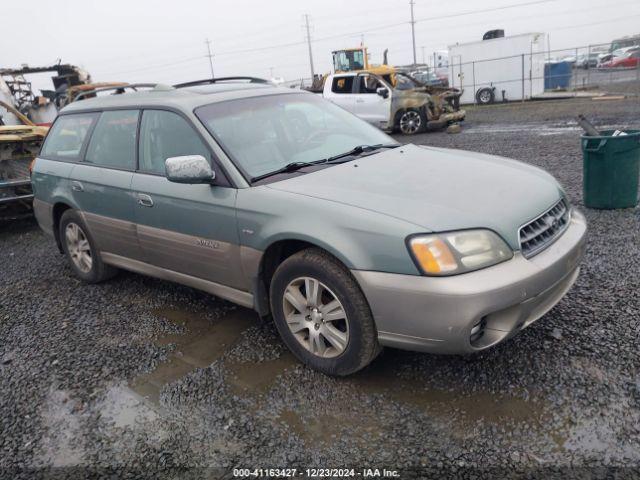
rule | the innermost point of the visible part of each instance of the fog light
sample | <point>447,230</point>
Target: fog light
<point>477,330</point>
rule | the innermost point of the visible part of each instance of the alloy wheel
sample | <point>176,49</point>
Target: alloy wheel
<point>410,122</point>
<point>78,247</point>
<point>485,96</point>
<point>315,317</point>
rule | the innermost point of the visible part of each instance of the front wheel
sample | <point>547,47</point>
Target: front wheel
<point>412,121</point>
<point>322,315</point>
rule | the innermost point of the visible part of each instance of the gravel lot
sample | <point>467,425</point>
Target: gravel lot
<point>137,376</point>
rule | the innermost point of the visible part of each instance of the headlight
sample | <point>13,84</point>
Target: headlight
<point>458,252</point>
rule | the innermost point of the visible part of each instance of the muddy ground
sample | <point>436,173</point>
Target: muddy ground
<point>140,377</point>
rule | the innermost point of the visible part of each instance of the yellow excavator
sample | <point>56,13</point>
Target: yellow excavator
<point>356,60</point>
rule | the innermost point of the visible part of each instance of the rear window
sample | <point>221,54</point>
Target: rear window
<point>67,136</point>
<point>113,141</point>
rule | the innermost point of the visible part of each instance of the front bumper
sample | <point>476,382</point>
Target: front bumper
<point>436,314</point>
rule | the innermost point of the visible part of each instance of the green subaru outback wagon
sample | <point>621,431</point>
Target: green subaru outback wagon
<point>282,202</point>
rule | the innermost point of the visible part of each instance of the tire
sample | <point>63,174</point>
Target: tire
<point>412,121</point>
<point>485,96</point>
<point>309,329</point>
<point>78,247</point>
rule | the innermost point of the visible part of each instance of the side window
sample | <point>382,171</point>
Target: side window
<point>342,85</point>
<point>166,134</point>
<point>368,84</point>
<point>67,136</point>
<point>113,141</point>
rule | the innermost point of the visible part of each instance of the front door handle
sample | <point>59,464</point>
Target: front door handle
<point>77,186</point>
<point>360,100</point>
<point>145,200</point>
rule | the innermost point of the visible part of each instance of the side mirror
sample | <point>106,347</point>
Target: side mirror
<point>383,92</point>
<point>189,169</point>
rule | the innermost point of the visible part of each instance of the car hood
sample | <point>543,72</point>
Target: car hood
<point>436,189</point>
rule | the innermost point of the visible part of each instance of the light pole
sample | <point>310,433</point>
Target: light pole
<point>413,31</point>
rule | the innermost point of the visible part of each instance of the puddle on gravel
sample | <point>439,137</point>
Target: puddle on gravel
<point>258,378</point>
<point>531,128</point>
<point>202,342</point>
<point>466,409</point>
<point>125,408</point>
<point>59,444</point>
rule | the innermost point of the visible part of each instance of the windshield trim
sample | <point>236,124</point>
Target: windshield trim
<point>249,179</point>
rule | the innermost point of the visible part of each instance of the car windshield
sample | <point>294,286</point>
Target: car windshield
<point>405,82</point>
<point>263,134</point>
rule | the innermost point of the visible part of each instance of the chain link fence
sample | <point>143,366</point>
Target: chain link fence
<point>585,70</point>
<point>578,71</point>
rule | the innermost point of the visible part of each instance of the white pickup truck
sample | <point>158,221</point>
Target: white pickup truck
<point>409,107</point>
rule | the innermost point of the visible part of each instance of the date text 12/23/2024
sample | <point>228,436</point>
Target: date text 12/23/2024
<point>315,473</point>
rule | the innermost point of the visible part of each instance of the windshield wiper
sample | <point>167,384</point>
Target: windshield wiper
<point>359,150</point>
<point>289,167</point>
<point>293,166</point>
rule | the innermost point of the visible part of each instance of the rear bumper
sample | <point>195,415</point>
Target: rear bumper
<point>437,314</point>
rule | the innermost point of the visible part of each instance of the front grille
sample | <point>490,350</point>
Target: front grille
<point>538,234</point>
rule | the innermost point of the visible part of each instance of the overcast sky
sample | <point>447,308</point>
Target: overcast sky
<point>145,41</point>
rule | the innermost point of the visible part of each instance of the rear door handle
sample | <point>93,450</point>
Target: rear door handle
<point>145,200</point>
<point>360,100</point>
<point>77,187</point>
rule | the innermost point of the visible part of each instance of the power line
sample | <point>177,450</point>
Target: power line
<point>360,32</point>
<point>485,10</point>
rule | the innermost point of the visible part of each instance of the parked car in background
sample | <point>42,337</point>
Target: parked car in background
<point>350,240</point>
<point>410,107</point>
<point>607,57</point>
<point>629,59</point>
<point>428,77</point>
<point>587,60</point>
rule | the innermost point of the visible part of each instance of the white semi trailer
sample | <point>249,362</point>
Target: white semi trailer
<point>499,69</point>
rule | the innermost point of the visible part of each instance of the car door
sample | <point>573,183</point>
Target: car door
<point>342,92</point>
<point>101,183</point>
<point>370,106</point>
<point>190,229</point>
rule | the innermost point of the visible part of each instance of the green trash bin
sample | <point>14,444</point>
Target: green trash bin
<point>611,169</point>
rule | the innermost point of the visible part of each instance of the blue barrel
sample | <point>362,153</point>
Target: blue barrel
<point>557,75</point>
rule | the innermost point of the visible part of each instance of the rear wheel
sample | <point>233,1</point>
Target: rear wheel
<point>80,249</point>
<point>485,96</point>
<point>321,314</point>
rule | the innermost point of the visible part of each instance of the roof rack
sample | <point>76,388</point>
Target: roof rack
<point>133,86</point>
<point>210,81</point>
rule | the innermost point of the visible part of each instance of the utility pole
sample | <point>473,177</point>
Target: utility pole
<point>413,31</point>
<point>306,21</point>
<point>210,55</point>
